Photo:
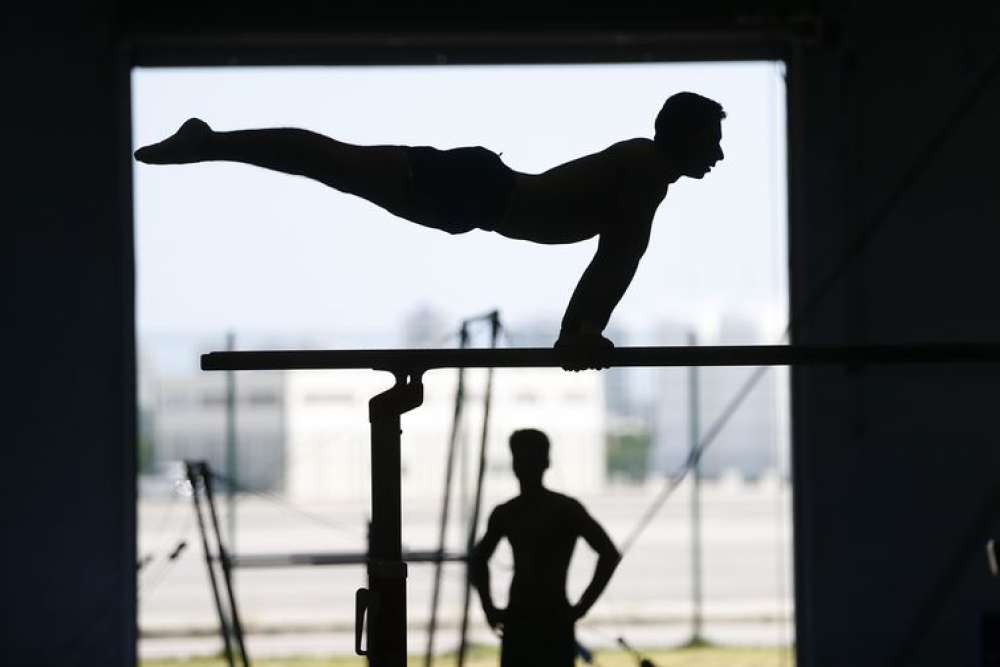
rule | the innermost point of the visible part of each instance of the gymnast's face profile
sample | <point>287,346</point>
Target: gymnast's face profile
<point>704,151</point>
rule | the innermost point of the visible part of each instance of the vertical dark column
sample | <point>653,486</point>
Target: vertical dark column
<point>456,418</point>
<point>474,521</point>
<point>195,474</point>
<point>227,571</point>
<point>69,307</point>
<point>386,570</point>
<point>694,424</point>
<point>232,462</point>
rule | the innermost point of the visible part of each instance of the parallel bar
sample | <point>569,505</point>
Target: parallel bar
<point>418,360</point>
<point>320,559</point>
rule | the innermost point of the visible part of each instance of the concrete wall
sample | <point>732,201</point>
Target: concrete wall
<point>189,421</point>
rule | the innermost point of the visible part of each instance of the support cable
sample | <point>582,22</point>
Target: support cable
<point>154,578</point>
<point>161,526</point>
<point>278,500</point>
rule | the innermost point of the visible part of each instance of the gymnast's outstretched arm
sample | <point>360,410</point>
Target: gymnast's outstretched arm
<point>603,284</point>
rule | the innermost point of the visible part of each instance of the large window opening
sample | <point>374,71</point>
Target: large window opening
<point>232,255</point>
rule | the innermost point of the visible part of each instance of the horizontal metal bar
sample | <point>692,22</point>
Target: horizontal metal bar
<point>418,360</point>
<point>339,558</point>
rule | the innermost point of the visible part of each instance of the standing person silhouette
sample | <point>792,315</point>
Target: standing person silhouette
<point>612,194</point>
<point>542,527</point>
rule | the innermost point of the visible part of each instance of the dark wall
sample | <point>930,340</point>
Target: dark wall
<point>68,511</point>
<point>892,466</point>
<point>895,467</point>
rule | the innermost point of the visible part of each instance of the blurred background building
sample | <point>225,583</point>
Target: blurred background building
<point>305,433</point>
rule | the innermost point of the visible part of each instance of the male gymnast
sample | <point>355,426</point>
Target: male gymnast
<point>612,194</point>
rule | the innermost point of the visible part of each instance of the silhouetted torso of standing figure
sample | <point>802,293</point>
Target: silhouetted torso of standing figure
<point>542,527</point>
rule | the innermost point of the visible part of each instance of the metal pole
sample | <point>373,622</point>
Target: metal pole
<point>193,472</point>
<point>473,523</point>
<point>695,438</point>
<point>446,503</point>
<point>385,600</point>
<point>462,452</point>
<point>237,626</point>
<point>231,454</point>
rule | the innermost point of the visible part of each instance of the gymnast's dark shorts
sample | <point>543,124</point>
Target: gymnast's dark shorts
<point>460,189</point>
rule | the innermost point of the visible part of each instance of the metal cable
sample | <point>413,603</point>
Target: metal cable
<point>275,498</point>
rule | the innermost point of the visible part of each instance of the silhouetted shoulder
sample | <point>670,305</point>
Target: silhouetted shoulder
<point>641,162</point>
<point>571,508</point>
<point>639,171</point>
<point>502,511</point>
<point>638,147</point>
<point>634,155</point>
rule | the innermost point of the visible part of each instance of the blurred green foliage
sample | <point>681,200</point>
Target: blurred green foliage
<point>627,456</point>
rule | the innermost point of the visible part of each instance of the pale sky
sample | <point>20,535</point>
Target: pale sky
<point>223,246</point>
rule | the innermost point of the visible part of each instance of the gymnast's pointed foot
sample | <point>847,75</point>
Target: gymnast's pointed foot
<point>184,146</point>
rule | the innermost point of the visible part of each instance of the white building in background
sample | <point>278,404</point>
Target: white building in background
<point>189,422</point>
<point>307,432</point>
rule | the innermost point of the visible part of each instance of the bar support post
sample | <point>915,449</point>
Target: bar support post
<point>383,603</point>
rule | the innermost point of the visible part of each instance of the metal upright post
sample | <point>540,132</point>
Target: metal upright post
<point>474,521</point>
<point>446,503</point>
<point>384,601</point>
<point>237,626</point>
<point>694,409</point>
<point>232,473</point>
<point>193,474</point>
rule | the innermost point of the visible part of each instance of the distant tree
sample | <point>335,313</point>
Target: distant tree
<point>146,453</point>
<point>627,455</point>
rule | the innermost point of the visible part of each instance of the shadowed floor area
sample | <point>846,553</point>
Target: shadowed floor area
<point>483,657</point>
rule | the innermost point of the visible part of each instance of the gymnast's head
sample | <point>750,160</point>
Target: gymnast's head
<point>529,448</point>
<point>689,131</point>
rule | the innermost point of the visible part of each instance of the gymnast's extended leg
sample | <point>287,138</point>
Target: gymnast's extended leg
<point>379,174</point>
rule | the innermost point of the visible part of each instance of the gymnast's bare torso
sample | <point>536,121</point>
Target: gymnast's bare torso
<point>613,192</point>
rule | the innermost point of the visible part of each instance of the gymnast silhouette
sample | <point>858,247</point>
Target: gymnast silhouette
<point>542,527</point>
<point>612,194</point>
